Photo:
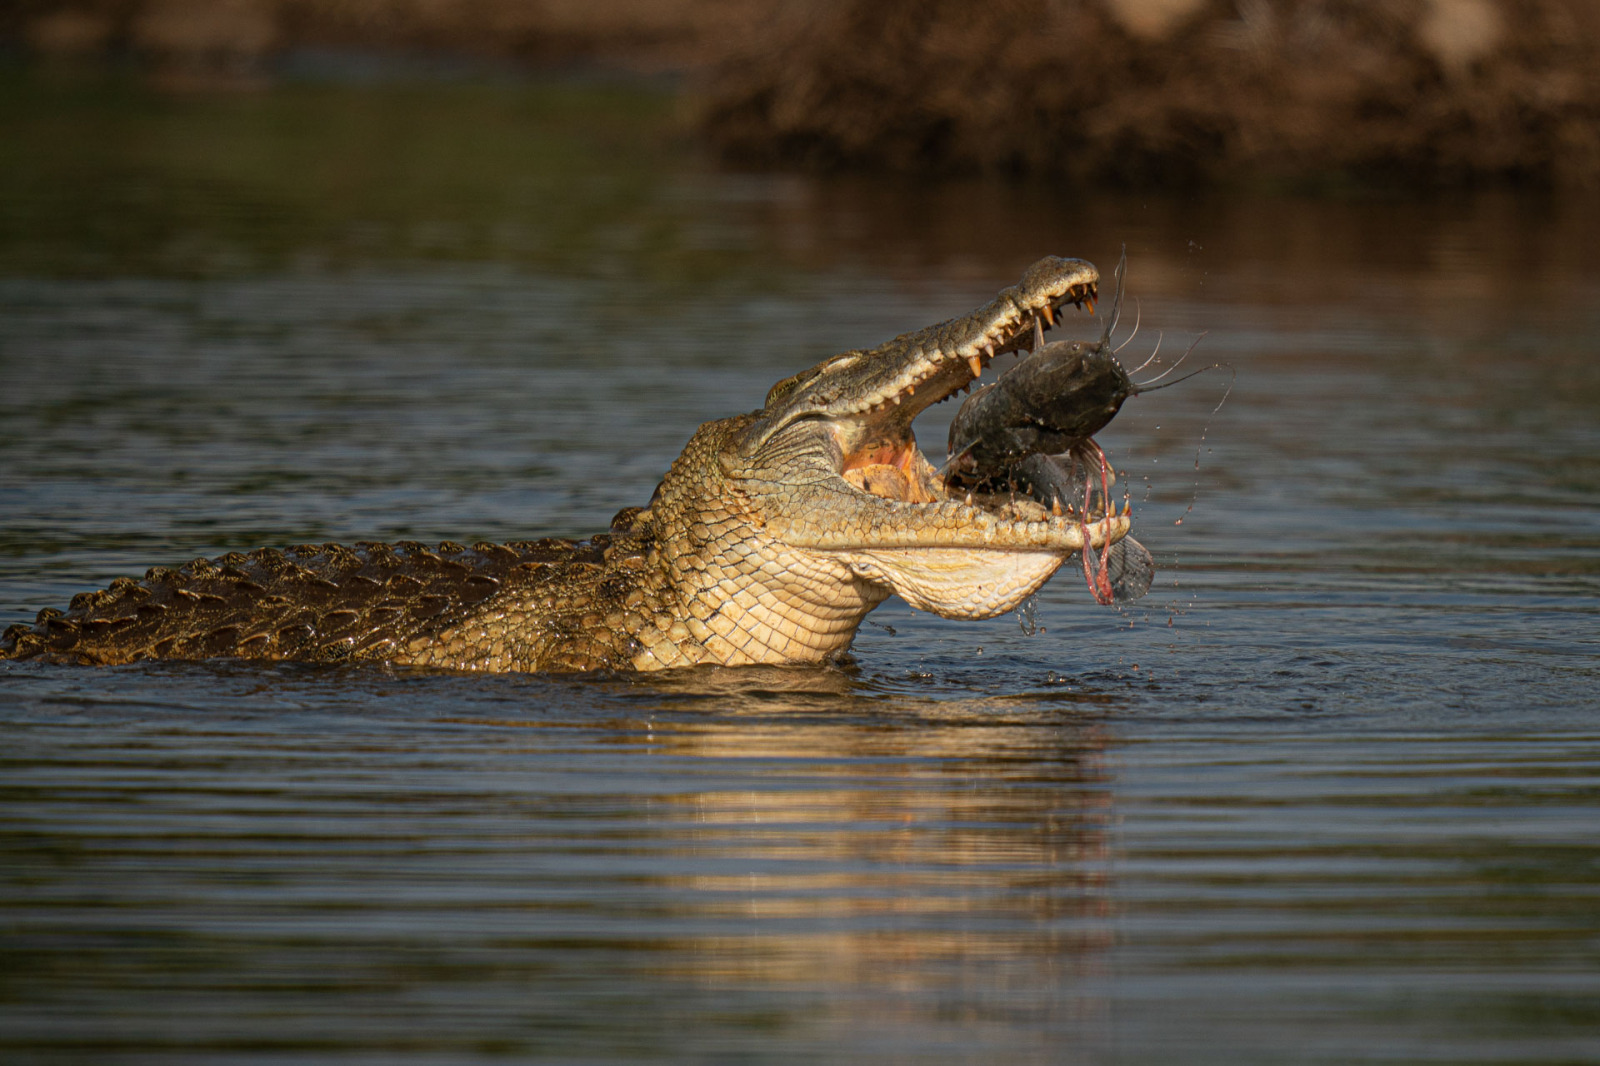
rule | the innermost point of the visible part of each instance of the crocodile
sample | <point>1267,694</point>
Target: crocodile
<point>768,540</point>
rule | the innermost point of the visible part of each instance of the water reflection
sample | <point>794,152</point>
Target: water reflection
<point>790,847</point>
<point>321,863</point>
<point>924,851</point>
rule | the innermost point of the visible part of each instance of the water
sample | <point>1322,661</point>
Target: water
<point>1330,793</point>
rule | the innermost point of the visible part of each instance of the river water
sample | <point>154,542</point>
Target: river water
<point>1329,794</point>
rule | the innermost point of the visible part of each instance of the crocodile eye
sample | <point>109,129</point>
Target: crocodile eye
<point>782,390</point>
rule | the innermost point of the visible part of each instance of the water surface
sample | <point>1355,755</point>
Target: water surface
<point>1329,794</point>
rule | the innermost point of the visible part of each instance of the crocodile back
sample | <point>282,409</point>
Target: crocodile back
<point>315,602</point>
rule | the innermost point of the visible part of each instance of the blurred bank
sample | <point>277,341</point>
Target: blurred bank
<point>1297,93</point>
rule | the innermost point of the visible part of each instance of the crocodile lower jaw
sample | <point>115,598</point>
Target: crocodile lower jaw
<point>958,583</point>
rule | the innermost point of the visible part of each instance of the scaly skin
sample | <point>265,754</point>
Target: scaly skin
<point>768,541</point>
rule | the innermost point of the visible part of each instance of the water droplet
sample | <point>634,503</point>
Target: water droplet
<point>1028,615</point>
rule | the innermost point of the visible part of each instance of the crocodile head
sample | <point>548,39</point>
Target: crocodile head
<point>833,468</point>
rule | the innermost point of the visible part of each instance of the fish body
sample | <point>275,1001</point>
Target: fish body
<point>1048,404</point>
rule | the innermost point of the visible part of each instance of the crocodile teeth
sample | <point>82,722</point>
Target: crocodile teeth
<point>976,364</point>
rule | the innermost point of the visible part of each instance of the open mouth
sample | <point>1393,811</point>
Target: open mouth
<point>879,451</point>
<point>901,523</point>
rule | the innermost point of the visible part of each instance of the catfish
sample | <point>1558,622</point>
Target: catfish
<point>1031,432</point>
